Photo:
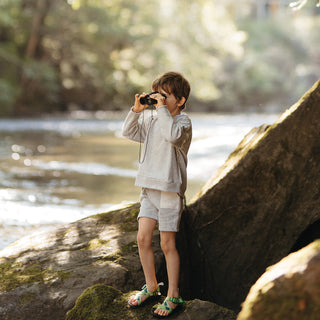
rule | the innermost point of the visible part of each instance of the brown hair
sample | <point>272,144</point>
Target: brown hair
<point>173,83</point>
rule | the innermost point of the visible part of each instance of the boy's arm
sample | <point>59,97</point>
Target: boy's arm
<point>174,131</point>
<point>132,129</point>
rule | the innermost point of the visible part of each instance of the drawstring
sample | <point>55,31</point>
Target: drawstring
<point>146,138</point>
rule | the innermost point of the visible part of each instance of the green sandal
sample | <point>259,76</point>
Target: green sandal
<point>165,306</point>
<point>145,292</point>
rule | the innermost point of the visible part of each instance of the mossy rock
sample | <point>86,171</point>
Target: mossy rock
<point>102,302</point>
<point>48,271</point>
<point>14,275</point>
<point>125,218</point>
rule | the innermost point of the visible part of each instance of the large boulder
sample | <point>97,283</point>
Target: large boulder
<point>256,208</point>
<point>289,289</point>
<point>42,275</point>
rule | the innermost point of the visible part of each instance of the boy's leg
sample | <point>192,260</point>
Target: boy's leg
<point>168,246</point>
<point>144,238</point>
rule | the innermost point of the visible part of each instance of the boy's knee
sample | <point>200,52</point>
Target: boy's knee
<point>143,240</point>
<point>167,245</point>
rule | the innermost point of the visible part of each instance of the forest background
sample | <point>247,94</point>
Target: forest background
<point>65,55</point>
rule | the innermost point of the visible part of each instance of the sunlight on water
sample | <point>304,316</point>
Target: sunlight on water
<point>85,168</point>
<point>61,170</point>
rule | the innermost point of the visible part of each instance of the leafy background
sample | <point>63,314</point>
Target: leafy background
<point>58,56</point>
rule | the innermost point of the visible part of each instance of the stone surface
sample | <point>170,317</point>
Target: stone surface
<point>102,302</point>
<point>289,289</point>
<point>251,214</point>
<point>41,276</point>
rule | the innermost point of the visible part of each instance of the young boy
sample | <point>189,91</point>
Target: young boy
<point>163,178</point>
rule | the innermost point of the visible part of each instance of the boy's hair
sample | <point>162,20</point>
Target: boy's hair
<point>173,83</point>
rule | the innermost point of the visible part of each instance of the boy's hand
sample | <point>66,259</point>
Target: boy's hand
<point>138,107</point>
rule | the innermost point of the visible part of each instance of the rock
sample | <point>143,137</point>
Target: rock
<point>255,209</point>
<point>101,302</point>
<point>41,276</point>
<point>289,289</point>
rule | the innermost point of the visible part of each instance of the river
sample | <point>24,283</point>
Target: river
<point>61,169</point>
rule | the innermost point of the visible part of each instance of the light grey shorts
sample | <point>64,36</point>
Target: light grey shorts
<point>165,207</point>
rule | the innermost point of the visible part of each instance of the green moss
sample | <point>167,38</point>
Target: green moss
<point>118,255</point>
<point>115,256</point>
<point>102,302</point>
<point>130,220</point>
<point>99,302</point>
<point>95,244</point>
<point>126,218</point>
<point>13,275</point>
<point>131,247</point>
<point>27,298</point>
<point>63,275</point>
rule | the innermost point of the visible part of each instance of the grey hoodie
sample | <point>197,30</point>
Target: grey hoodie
<point>166,141</point>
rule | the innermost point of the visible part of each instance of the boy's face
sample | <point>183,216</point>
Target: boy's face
<point>172,103</point>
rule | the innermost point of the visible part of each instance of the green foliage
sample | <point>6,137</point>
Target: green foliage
<point>98,54</point>
<point>274,68</point>
<point>8,94</point>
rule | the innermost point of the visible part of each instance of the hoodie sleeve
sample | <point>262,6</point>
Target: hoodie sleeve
<point>175,130</point>
<point>132,129</point>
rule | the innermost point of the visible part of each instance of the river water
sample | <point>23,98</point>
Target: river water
<point>62,169</point>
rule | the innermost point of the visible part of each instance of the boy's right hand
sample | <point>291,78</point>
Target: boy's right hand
<point>138,107</point>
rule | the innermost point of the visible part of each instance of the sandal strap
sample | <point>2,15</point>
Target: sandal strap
<point>175,300</point>
<point>146,292</point>
<point>165,304</point>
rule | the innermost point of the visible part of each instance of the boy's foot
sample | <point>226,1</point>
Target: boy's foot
<point>169,305</point>
<point>138,299</point>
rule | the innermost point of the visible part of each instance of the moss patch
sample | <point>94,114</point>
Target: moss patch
<point>102,302</point>
<point>95,244</point>
<point>99,302</point>
<point>131,247</point>
<point>27,298</point>
<point>126,218</point>
<point>13,275</point>
<point>114,257</point>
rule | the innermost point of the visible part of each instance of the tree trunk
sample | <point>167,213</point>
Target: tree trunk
<point>27,85</point>
<point>251,213</point>
<point>41,11</point>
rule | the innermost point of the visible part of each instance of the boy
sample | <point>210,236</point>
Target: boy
<point>163,178</point>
